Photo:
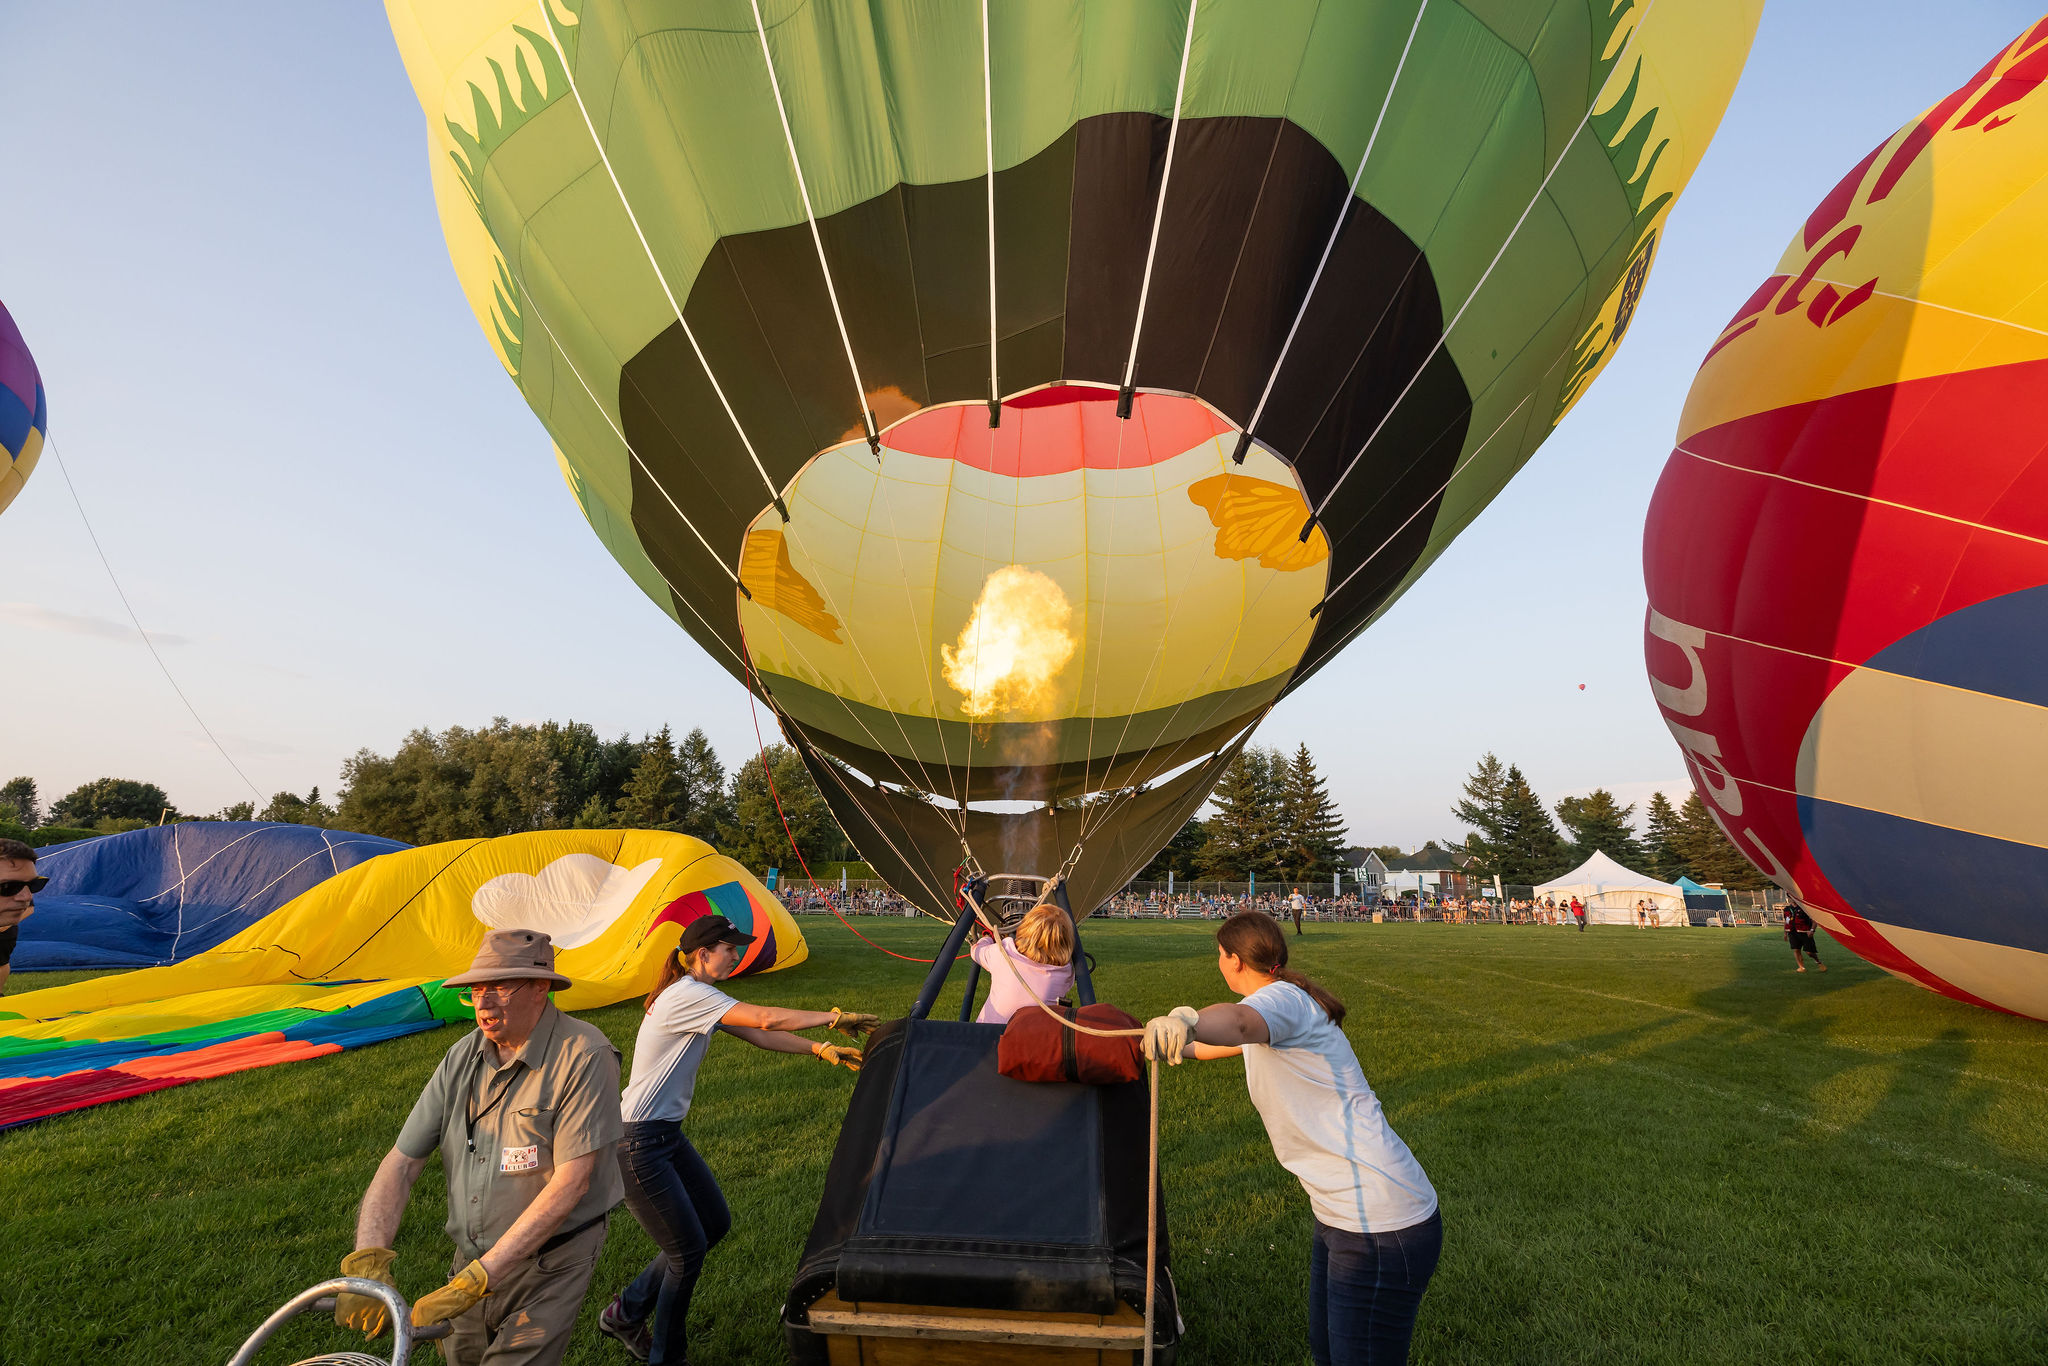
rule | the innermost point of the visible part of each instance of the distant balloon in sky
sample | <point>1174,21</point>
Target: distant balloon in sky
<point>1847,556</point>
<point>1024,397</point>
<point>24,416</point>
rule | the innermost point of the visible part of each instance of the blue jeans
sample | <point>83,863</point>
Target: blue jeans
<point>1364,1290</point>
<point>677,1200</point>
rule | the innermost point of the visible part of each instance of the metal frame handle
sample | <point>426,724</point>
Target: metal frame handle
<point>320,1299</point>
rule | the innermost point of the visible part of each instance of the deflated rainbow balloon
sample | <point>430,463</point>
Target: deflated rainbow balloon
<point>361,957</point>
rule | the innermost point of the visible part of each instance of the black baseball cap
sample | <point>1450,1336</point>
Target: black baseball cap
<point>708,930</point>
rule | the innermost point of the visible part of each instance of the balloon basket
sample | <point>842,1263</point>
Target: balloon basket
<point>971,1218</point>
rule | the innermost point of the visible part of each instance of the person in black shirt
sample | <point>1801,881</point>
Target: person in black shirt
<point>1799,934</point>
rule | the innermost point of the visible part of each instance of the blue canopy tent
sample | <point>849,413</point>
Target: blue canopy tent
<point>160,895</point>
<point>1702,900</point>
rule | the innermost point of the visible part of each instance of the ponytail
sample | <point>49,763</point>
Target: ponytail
<point>671,970</point>
<point>1256,941</point>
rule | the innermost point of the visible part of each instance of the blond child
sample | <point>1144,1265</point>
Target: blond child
<point>1043,954</point>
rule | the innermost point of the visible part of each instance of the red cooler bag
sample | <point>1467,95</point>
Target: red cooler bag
<point>1036,1047</point>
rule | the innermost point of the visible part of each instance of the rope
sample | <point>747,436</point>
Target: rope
<point>860,393</point>
<point>605,413</point>
<point>1479,284</point>
<point>1187,45</point>
<point>568,70</point>
<point>126,606</point>
<point>1244,439</point>
<point>769,773</point>
<point>988,135</point>
<point>1152,1211</point>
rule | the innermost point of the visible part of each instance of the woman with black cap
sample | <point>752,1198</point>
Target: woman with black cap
<point>669,1189</point>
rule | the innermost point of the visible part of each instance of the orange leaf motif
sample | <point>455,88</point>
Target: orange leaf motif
<point>766,570</point>
<point>1256,517</point>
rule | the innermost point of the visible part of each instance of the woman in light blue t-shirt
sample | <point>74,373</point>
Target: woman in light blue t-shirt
<point>669,1188</point>
<point>1377,1230</point>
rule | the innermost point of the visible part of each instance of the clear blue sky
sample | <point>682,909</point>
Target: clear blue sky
<point>326,498</point>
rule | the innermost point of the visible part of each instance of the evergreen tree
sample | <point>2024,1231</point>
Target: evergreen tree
<point>1244,834</point>
<point>704,805</point>
<point>1708,852</point>
<point>1480,808</point>
<point>1311,829</point>
<point>1182,854</point>
<point>1596,823</point>
<point>1531,850</point>
<point>1661,839</point>
<point>306,810</point>
<point>754,835</point>
<point>595,815</point>
<point>654,794</point>
<point>20,793</point>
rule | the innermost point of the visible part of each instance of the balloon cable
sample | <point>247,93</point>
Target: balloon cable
<point>120,592</point>
<point>768,772</point>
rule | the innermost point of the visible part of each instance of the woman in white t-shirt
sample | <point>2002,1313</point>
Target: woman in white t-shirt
<point>1377,1230</point>
<point>669,1189</point>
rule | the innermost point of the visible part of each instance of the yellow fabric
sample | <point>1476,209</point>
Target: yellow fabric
<point>417,916</point>
<point>1951,252</point>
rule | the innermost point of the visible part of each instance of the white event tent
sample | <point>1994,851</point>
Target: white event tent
<point>1610,893</point>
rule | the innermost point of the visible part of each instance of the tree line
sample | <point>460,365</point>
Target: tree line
<point>1274,819</point>
<point>464,783</point>
<point>1514,837</point>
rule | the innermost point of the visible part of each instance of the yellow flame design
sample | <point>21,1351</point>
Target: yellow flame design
<point>1014,646</point>
<point>766,570</point>
<point>1257,517</point>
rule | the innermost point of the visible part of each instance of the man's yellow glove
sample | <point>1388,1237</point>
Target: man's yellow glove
<point>454,1299</point>
<point>852,1023</point>
<point>360,1311</point>
<point>838,1054</point>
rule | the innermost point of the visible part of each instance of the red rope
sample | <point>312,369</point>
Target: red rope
<point>768,772</point>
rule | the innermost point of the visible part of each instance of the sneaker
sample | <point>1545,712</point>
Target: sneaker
<point>633,1336</point>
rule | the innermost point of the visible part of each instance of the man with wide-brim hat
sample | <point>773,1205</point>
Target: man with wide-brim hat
<point>525,1111</point>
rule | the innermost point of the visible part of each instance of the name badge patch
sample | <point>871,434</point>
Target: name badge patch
<point>520,1159</point>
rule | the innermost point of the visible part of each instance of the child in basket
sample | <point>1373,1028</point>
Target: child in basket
<point>1043,953</point>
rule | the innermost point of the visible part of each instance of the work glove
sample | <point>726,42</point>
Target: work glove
<point>1166,1035</point>
<point>852,1023</point>
<point>454,1299</point>
<point>838,1054</point>
<point>360,1311</point>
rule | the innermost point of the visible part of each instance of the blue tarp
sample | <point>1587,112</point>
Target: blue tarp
<point>160,895</point>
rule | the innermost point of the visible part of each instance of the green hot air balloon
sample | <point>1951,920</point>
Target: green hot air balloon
<point>1023,396</point>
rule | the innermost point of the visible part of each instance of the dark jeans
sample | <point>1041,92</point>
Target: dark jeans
<point>677,1200</point>
<point>1364,1290</point>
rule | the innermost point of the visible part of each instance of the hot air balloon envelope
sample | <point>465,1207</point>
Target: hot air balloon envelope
<point>1847,556</point>
<point>1024,408</point>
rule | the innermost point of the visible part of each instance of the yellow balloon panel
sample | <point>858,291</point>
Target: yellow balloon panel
<point>1064,566</point>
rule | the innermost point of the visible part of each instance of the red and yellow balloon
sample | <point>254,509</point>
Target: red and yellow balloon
<point>1847,556</point>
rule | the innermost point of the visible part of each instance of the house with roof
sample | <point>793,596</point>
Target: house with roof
<point>1432,871</point>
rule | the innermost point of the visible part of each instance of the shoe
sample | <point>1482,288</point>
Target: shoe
<point>634,1337</point>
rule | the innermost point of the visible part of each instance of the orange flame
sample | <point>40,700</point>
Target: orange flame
<point>1014,646</point>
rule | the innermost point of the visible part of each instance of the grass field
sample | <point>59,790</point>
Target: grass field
<point>1650,1148</point>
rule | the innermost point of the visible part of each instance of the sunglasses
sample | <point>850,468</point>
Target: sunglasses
<point>471,995</point>
<point>16,886</point>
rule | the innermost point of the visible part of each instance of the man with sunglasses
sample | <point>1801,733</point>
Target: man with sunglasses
<point>525,1111</point>
<point>18,887</point>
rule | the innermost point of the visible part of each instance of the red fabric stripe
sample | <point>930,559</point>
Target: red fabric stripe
<point>1058,437</point>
